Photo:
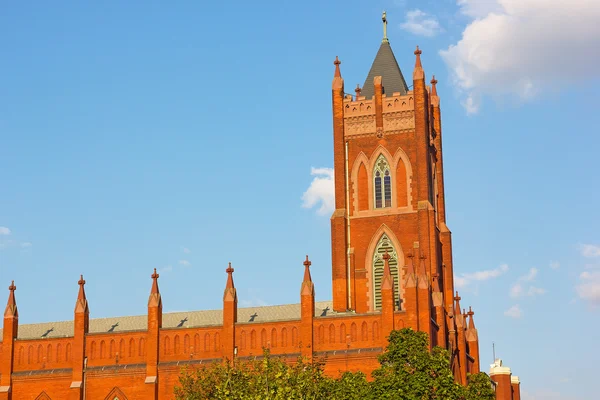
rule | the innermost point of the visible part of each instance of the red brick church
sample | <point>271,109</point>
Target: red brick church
<point>391,268</point>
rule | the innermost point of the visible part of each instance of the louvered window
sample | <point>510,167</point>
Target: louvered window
<point>385,244</point>
<point>382,183</point>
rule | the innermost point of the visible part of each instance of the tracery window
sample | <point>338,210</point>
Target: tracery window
<point>382,183</point>
<point>385,244</point>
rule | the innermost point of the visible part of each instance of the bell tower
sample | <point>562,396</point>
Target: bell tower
<point>389,193</point>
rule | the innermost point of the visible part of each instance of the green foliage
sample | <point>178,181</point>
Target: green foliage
<point>408,371</point>
<point>479,388</point>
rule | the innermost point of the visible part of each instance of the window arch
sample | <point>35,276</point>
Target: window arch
<point>385,244</point>
<point>382,183</point>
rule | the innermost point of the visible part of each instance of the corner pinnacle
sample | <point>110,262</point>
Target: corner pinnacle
<point>154,277</point>
<point>307,264</point>
<point>433,86</point>
<point>229,271</point>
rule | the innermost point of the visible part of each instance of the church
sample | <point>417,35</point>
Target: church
<point>391,268</point>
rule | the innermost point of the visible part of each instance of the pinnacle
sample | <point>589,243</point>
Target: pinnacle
<point>154,277</point>
<point>307,264</point>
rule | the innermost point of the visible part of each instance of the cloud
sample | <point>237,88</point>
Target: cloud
<point>554,265</point>
<point>514,312</point>
<point>518,288</point>
<point>535,291</point>
<point>185,263</point>
<point>186,250</point>
<point>321,190</point>
<point>589,287</point>
<point>421,24</point>
<point>464,280</point>
<point>26,245</point>
<point>521,48</point>
<point>4,230</point>
<point>589,250</point>
<point>167,268</point>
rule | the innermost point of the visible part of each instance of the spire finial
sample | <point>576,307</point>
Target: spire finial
<point>384,19</point>
<point>418,53</point>
<point>357,90</point>
<point>457,299</point>
<point>471,322</point>
<point>337,63</point>
<point>307,264</point>
<point>433,84</point>
<point>154,277</point>
<point>229,271</point>
<point>81,283</point>
<point>11,306</point>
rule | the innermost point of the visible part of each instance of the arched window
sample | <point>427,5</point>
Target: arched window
<point>382,184</point>
<point>385,244</point>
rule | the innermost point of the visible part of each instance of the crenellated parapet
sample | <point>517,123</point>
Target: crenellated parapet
<point>360,115</point>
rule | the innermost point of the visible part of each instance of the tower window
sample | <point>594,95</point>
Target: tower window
<point>382,183</point>
<point>385,244</point>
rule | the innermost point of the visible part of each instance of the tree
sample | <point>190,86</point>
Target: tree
<point>261,378</point>
<point>479,388</point>
<point>408,371</point>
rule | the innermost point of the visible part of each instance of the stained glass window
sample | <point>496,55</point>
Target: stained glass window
<point>382,190</point>
<point>378,264</point>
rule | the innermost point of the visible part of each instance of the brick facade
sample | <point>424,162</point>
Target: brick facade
<point>142,357</point>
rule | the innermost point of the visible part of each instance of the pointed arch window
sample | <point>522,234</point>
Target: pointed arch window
<point>385,244</point>
<point>382,183</point>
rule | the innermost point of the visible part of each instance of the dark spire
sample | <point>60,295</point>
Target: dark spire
<point>386,66</point>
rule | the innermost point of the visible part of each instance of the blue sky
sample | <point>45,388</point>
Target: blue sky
<point>181,137</point>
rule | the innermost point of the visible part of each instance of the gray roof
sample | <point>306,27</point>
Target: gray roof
<point>186,319</point>
<point>386,66</point>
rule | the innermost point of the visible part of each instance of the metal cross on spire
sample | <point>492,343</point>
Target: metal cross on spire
<point>384,19</point>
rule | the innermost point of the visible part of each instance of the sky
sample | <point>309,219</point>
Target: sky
<point>183,136</point>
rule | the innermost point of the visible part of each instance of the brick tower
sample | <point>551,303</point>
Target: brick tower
<point>389,196</point>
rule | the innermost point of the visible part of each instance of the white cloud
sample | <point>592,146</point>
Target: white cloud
<point>186,250</point>
<point>26,245</point>
<point>589,287</point>
<point>420,23</point>
<point>514,312</point>
<point>520,48</point>
<point>4,230</point>
<point>554,265</point>
<point>517,289</point>
<point>185,263</point>
<point>167,268</point>
<point>463,280</point>
<point>530,275</point>
<point>321,190</point>
<point>589,250</point>
<point>535,291</point>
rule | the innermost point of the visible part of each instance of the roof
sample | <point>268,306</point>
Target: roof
<point>186,319</point>
<point>386,66</point>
